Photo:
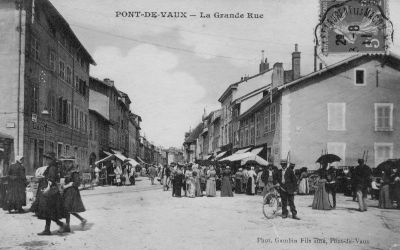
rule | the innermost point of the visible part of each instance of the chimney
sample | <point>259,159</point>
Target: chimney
<point>296,62</point>
<point>264,66</point>
<point>277,75</point>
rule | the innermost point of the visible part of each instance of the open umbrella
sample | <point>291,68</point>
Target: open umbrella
<point>328,158</point>
<point>387,165</point>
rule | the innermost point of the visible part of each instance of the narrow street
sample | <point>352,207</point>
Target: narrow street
<point>145,217</point>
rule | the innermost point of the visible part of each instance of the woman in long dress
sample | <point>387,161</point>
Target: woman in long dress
<point>16,196</point>
<point>211,189</point>
<point>190,185</point>
<point>321,196</point>
<point>226,187</point>
<point>118,173</point>
<point>239,181</point>
<point>50,203</point>
<point>303,184</point>
<point>177,182</point>
<point>384,194</point>
<point>72,198</point>
<point>395,179</point>
<point>267,177</point>
<point>196,176</point>
<point>251,184</point>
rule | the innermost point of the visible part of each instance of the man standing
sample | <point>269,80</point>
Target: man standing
<point>362,180</point>
<point>152,173</point>
<point>286,180</point>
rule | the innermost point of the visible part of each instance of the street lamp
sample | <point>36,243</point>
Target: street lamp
<point>45,113</point>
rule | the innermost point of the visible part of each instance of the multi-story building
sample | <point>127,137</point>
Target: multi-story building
<point>44,73</point>
<point>348,109</point>
<point>98,136</point>
<point>134,135</point>
<point>113,106</point>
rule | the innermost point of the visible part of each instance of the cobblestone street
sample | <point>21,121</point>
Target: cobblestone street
<point>145,217</point>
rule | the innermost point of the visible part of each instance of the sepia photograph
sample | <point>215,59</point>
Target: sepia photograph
<point>203,124</point>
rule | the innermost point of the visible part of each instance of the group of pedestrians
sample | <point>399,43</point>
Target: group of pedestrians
<point>57,197</point>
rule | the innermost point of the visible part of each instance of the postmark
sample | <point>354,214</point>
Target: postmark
<point>354,26</point>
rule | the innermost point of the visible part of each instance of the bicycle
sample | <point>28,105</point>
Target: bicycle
<point>272,203</point>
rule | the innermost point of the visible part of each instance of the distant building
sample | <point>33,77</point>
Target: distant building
<point>44,91</point>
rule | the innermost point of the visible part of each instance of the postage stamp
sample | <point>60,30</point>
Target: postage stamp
<point>354,26</point>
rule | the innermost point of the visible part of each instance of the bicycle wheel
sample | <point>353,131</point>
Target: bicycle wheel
<point>270,206</point>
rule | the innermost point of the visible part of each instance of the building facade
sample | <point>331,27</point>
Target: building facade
<point>44,105</point>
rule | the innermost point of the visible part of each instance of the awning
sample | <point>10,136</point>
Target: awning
<point>253,157</point>
<point>131,162</point>
<point>241,151</point>
<point>256,151</point>
<point>107,153</point>
<point>245,157</point>
<point>105,159</point>
<point>220,154</point>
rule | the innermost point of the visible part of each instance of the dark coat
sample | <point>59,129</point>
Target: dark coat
<point>72,197</point>
<point>362,177</point>
<point>50,206</point>
<point>16,196</point>
<point>290,184</point>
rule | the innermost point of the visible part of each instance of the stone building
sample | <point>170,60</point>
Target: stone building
<point>44,89</point>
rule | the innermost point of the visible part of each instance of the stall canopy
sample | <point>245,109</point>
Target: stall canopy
<point>119,155</point>
<point>220,155</point>
<point>107,153</point>
<point>245,157</point>
<point>105,159</point>
<point>131,162</point>
<point>140,160</point>
<point>256,151</point>
<point>235,155</point>
<point>241,151</point>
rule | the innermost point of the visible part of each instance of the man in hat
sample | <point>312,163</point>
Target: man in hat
<point>286,180</point>
<point>16,196</point>
<point>362,180</point>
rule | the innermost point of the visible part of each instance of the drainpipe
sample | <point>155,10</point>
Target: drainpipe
<point>19,3</point>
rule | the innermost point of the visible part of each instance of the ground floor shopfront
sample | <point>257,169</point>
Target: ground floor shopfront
<point>45,136</point>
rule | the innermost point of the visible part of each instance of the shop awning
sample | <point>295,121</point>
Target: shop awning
<point>107,153</point>
<point>140,160</point>
<point>245,157</point>
<point>256,151</point>
<point>105,159</point>
<point>220,154</point>
<point>241,151</point>
<point>131,161</point>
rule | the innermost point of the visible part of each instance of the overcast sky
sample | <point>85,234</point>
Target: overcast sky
<point>174,68</point>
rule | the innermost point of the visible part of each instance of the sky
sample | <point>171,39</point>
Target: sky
<point>175,68</point>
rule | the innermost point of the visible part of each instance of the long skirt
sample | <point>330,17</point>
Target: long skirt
<point>268,188</point>
<point>321,198</point>
<point>384,197</point>
<point>396,193</point>
<point>16,195</point>
<point>250,186</point>
<point>303,186</point>
<point>73,201</point>
<point>3,191</point>
<point>191,188</point>
<point>211,188</point>
<point>226,187</point>
<point>177,187</point>
<point>198,191</point>
<point>238,186</point>
<point>50,207</point>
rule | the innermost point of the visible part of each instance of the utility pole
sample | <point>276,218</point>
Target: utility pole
<point>19,6</point>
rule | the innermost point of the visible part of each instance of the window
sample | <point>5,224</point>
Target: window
<point>65,112</point>
<point>35,48</point>
<point>337,116</point>
<point>76,82</point>
<point>359,77</point>
<point>52,61</point>
<point>383,116</point>
<point>81,126</point>
<point>62,69</point>
<point>76,118</point>
<point>338,149</point>
<point>383,151</point>
<point>69,75</point>
<point>69,118</point>
<point>252,131</point>
<point>267,119</point>
<point>258,125</point>
<point>273,117</point>
<point>91,137</point>
<point>85,122</point>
